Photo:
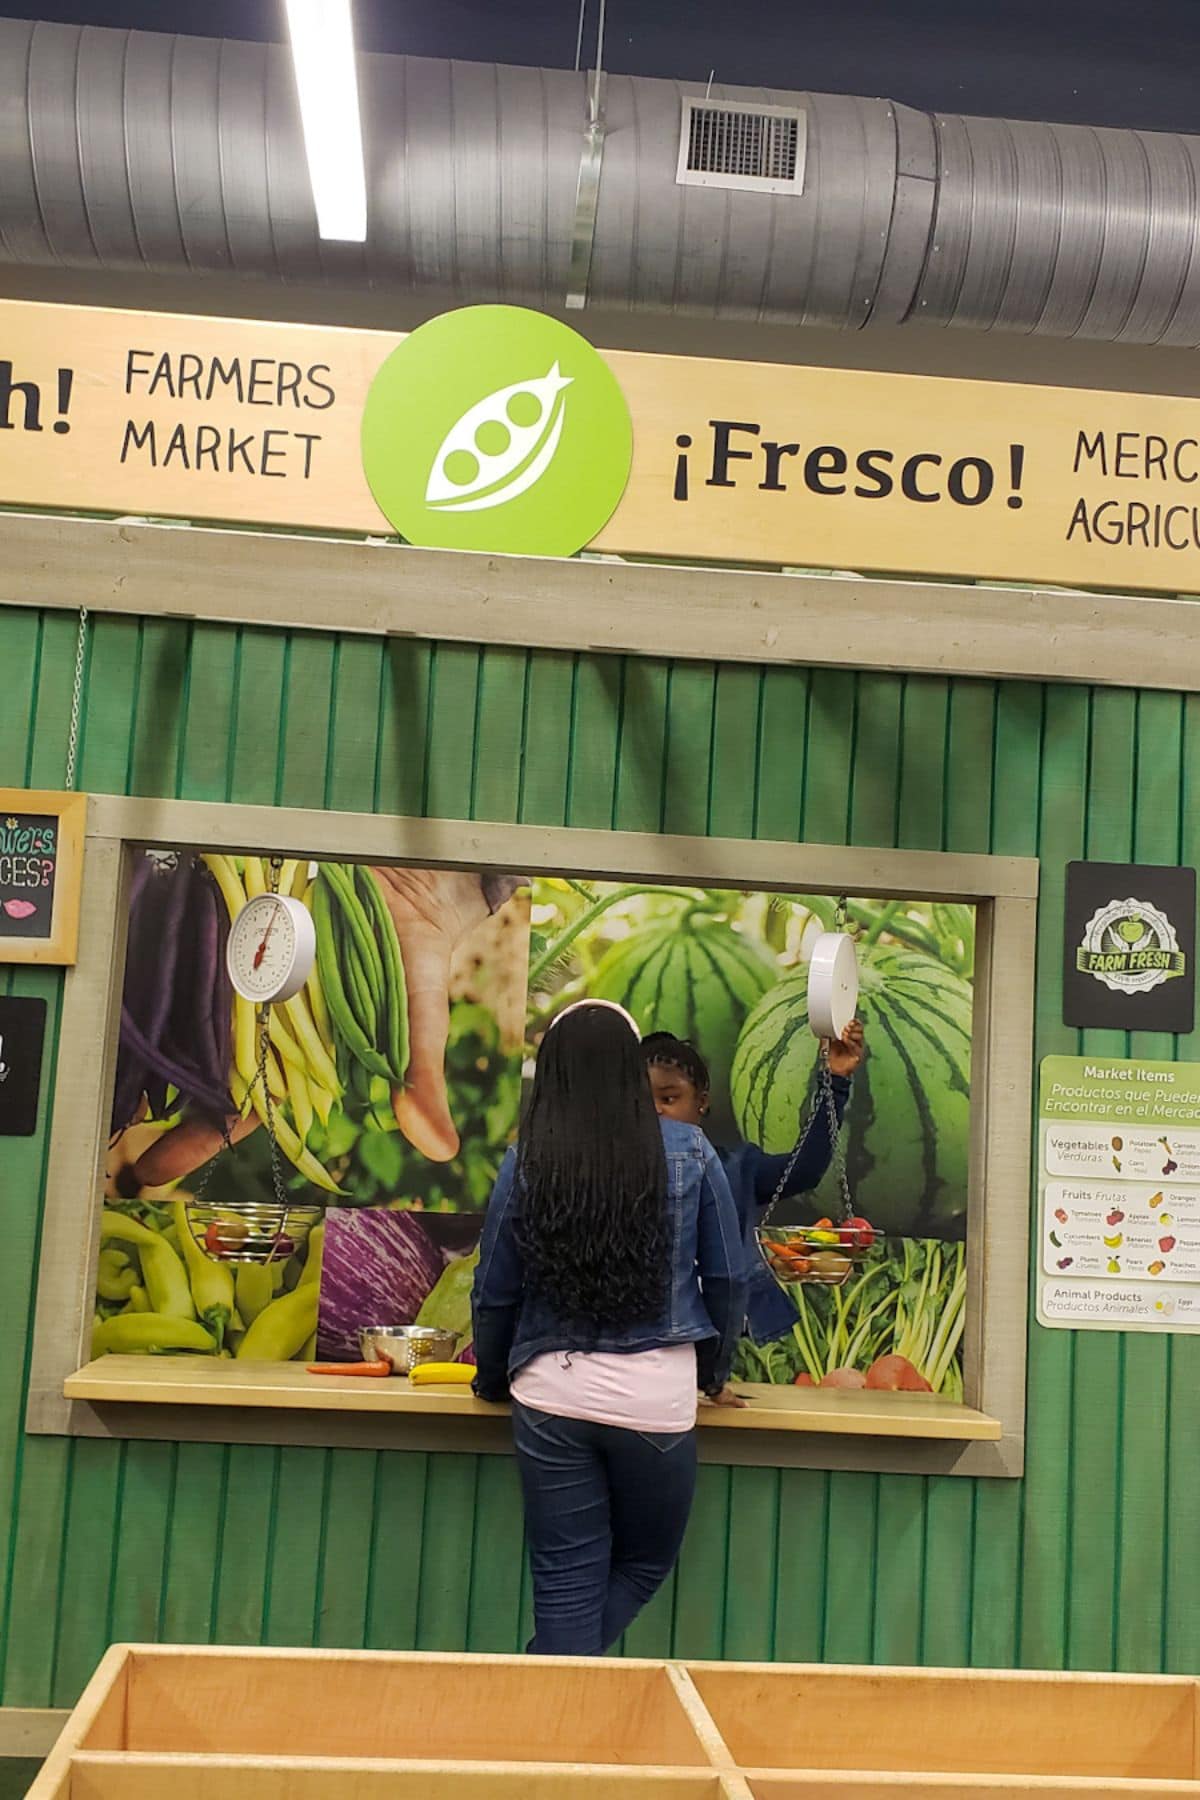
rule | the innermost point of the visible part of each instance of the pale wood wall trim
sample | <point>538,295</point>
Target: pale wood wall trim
<point>29,1731</point>
<point>543,849</point>
<point>998,1245</point>
<point>436,1433</point>
<point>1003,888</point>
<point>729,615</point>
<point>83,1085</point>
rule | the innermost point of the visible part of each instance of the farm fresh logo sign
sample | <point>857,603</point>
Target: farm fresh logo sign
<point>1129,962</point>
<point>1131,947</point>
<point>495,428</point>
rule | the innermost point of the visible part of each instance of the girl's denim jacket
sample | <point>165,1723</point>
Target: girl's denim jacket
<point>705,1305</point>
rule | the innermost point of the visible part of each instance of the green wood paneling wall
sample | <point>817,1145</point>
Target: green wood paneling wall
<point>1090,1562</point>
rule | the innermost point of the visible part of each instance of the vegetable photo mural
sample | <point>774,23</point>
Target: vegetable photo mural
<point>392,1079</point>
<point>728,971</point>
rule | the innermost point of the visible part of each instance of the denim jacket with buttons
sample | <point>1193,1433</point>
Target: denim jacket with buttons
<point>705,1305</point>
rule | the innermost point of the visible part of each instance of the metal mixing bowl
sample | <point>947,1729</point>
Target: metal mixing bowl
<point>404,1346</point>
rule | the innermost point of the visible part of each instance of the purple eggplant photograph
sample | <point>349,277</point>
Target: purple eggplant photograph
<point>390,1083</point>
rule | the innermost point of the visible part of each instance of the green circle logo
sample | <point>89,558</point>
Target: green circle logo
<point>495,428</point>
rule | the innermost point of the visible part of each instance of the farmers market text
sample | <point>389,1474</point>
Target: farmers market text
<point>276,451</point>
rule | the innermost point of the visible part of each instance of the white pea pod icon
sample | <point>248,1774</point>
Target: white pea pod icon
<point>500,446</point>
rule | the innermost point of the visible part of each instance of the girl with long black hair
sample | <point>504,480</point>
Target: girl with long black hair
<point>609,1291</point>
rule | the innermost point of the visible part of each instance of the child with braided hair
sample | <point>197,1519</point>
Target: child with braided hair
<point>679,1081</point>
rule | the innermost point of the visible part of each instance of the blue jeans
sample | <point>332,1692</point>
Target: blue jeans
<point>605,1513</point>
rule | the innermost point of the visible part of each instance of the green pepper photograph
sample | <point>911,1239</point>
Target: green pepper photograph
<point>389,1084</point>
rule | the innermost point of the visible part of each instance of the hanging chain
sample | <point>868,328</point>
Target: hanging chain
<point>827,1104</point>
<point>836,1138</point>
<point>76,698</point>
<point>201,1187</point>
<point>260,1079</point>
<point>264,1054</point>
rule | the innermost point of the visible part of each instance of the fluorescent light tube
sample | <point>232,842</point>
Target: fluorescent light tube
<point>322,36</point>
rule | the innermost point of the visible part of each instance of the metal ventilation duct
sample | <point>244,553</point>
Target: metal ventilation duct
<point>134,150</point>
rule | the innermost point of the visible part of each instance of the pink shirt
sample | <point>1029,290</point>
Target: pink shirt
<point>646,1390</point>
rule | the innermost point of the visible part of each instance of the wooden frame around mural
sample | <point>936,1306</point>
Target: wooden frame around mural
<point>1003,889</point>
<point>23,812</point>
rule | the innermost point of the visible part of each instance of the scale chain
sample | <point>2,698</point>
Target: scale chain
<point>264,1057</point>
<point>825,1099</point>
<point>76,699</point>
<point>260,1076</point>
<point>269,1107</point>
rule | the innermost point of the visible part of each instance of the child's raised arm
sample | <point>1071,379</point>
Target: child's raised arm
<point>845,1056</point>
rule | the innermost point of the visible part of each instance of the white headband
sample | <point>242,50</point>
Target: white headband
<point>610,1004</point>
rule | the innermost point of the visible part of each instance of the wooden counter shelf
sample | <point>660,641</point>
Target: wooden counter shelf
<point>199,1381</point>
<point>217,1723</point>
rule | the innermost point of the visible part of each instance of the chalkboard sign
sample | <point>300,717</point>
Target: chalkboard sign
<point>41,865</point>
<point>28,868</point>
<point>22,1035</point>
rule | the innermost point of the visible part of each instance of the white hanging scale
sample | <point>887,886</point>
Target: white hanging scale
<point>271,949</point>
<point>269,955</point>
<point>832,984</point>
<point>822,1254</point>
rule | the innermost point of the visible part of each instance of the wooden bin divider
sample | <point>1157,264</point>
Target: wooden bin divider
<point>701,1720</point>
<point>108,1775</point>
<point>840,1784</point>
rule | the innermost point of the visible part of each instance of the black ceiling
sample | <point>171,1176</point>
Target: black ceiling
<point>1103,62</point>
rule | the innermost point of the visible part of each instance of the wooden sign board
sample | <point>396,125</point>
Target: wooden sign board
<point>239,420</point>
<point>41,871</point>
<point>1129,959</point>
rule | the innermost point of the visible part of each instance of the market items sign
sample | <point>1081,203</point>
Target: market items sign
<point>1119,1195</point>
<point>1129,958</point>
<point>495,428</point>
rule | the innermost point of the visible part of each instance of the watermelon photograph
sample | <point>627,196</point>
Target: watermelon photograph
<point>727,971</point>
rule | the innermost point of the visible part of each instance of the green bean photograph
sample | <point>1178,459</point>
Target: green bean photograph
<point>390,1083</point>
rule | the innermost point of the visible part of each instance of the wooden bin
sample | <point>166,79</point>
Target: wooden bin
<point>212,1724</point>
<point>868,1734</point>
<point>215,1724</point>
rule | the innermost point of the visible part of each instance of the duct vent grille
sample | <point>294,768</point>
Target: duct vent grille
<point>759,149</point>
